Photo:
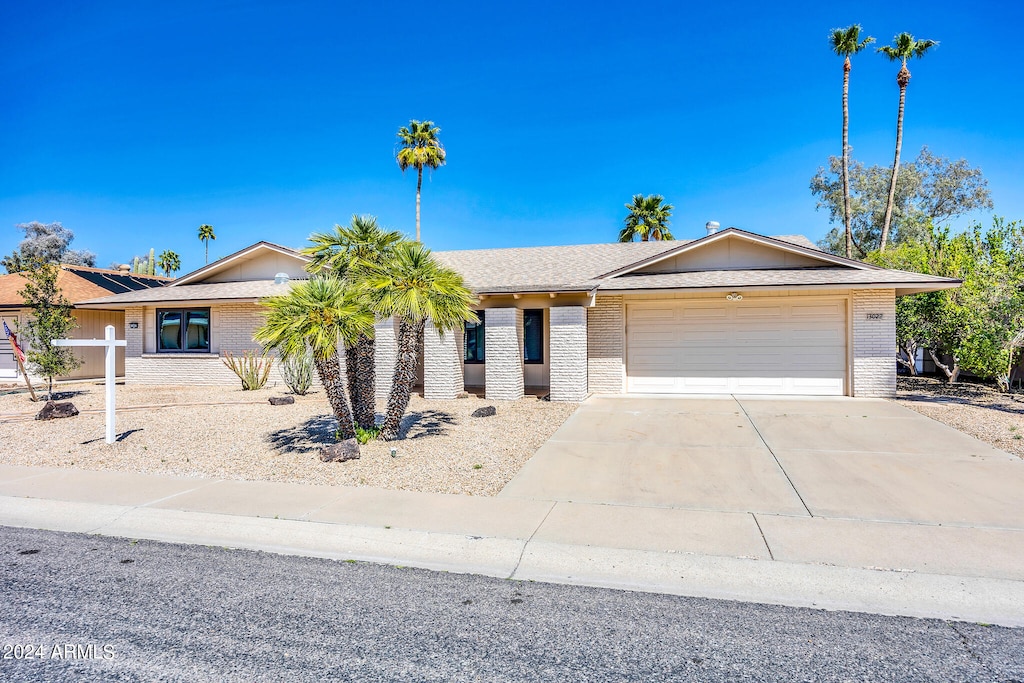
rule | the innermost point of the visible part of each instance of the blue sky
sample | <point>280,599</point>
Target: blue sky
<point>133,123</point>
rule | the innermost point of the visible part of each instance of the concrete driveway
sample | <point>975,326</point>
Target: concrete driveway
<point>859,482</point>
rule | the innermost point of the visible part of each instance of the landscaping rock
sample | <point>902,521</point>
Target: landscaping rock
<point>486,411</point>
<point>341,451</point>
<point>281,400</point>
<point>53,410</point>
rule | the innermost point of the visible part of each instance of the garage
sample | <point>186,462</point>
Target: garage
<point>735,345</point>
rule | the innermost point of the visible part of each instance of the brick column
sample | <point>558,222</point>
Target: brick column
<point>385,352</point>
<point>503,348</point>
<point>874,342</point>
<point>136,344</point>
<point>606,334</point>
<point>568,353</point>
<point>442,363</point>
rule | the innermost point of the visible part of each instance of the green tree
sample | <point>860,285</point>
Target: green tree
<point>413,286</point>
<point>419,148</point>
<point>846,42</point>
<point>903,48</point>
<point>50,319</point>
<point>977,323</point>
<point>205,235</point>
<point>931,190</point>
<point>648,219</point>
<point>169,262</point>
<point>48,243</point>
<point>350,252</point>
<point>318,314</point>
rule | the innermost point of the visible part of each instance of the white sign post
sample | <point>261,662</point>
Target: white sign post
<point>111,368</point>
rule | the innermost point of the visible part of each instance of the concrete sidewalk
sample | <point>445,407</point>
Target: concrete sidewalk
<point>883,567</point>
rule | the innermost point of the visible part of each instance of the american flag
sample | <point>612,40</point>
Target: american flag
<point>13,338</point>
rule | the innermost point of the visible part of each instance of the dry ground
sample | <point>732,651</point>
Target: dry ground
<point>975,409</point>
<point>244,437</point>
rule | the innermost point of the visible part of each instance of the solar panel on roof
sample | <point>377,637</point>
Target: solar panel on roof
<point>100,280</point>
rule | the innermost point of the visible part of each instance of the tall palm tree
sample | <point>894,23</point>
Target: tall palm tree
<point>903,48</point>
<point>846,42</point>
<point>419,148</point>
<point>413,286</point>
<point>648,219</point>
<point>205,235</point>
<point>169,262</point>
<point>348,252</point>
<point>318,313</point>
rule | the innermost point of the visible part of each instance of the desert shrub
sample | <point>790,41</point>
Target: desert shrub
<point>251,368</point>
<point>298,372</point>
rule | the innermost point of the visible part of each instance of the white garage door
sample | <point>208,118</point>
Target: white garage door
<point>754,346</point>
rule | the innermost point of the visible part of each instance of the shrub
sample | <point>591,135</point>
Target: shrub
<point>252,369</point>
<point>298,372</point>
<point>365,436</point>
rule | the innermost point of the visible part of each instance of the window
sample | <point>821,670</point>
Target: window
<point>474,344</point>
<point>183,330</point>
<point>533,336</point>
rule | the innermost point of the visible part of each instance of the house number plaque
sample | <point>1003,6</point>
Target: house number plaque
<point>874,316</point>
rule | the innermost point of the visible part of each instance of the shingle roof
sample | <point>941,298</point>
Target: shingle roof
<point>777,277</point>
<point>213,291</point>
<point>79,283</point>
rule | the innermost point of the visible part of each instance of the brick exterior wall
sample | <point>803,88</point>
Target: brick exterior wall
<point>504,344</point>
<point>606,364</point>
<point>442,363</point>
<point>232,329</point>
<point>385,353</point>
<point>874,342</point>
<point>568,353</point>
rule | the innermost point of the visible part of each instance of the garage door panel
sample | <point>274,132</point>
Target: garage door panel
<point>759,347</point>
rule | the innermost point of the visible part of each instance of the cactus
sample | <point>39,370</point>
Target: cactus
<point>152,262</point>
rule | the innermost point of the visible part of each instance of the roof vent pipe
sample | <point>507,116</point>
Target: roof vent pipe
<point>712,227</point>
<point>281,278</point>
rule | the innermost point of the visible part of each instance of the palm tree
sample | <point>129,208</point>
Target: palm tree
<point>169,262</point>
<point>318,313</point>
<point>846,42</point>
<point>419,148</point>
<point>348,252</point>
<point>648,219</point>
<point>903,48</point>
<point>205,235</point>
<point>413,286</point>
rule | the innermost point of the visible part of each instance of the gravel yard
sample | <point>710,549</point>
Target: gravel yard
<point>976,409</point>
<point>227,433</point>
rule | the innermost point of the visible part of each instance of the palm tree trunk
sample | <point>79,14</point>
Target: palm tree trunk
<point>352,379</point>
<point>846,158</point>
<point>419,185</point>
<point>409,332</point>
<point>207,245</point>
<point>895,168</point>
<point>329,370</point>
<point>364,404</point>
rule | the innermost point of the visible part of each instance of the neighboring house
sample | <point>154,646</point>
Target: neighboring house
<point>76,283</point>
<point>732,312</point>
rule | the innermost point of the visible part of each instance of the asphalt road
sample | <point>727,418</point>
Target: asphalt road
<point>95,608</point>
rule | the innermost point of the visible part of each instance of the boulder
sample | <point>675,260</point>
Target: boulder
<point>486,411</point>
<point>281,400</point>
<point>341,451</point>
<point>53,410</point>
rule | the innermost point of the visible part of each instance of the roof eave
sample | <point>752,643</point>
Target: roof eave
<point>902,288</point>
<point>213,267</point>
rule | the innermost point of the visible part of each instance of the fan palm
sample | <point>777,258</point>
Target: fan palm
<point>903,48</point>
<point>348,252</point>
<point>318,314</point>
<point>648,219</point>
<point>205,235</point>
<point>846,42</point>
<point>419,148</point>
<point>169,262</point>
<point>413,286</point>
